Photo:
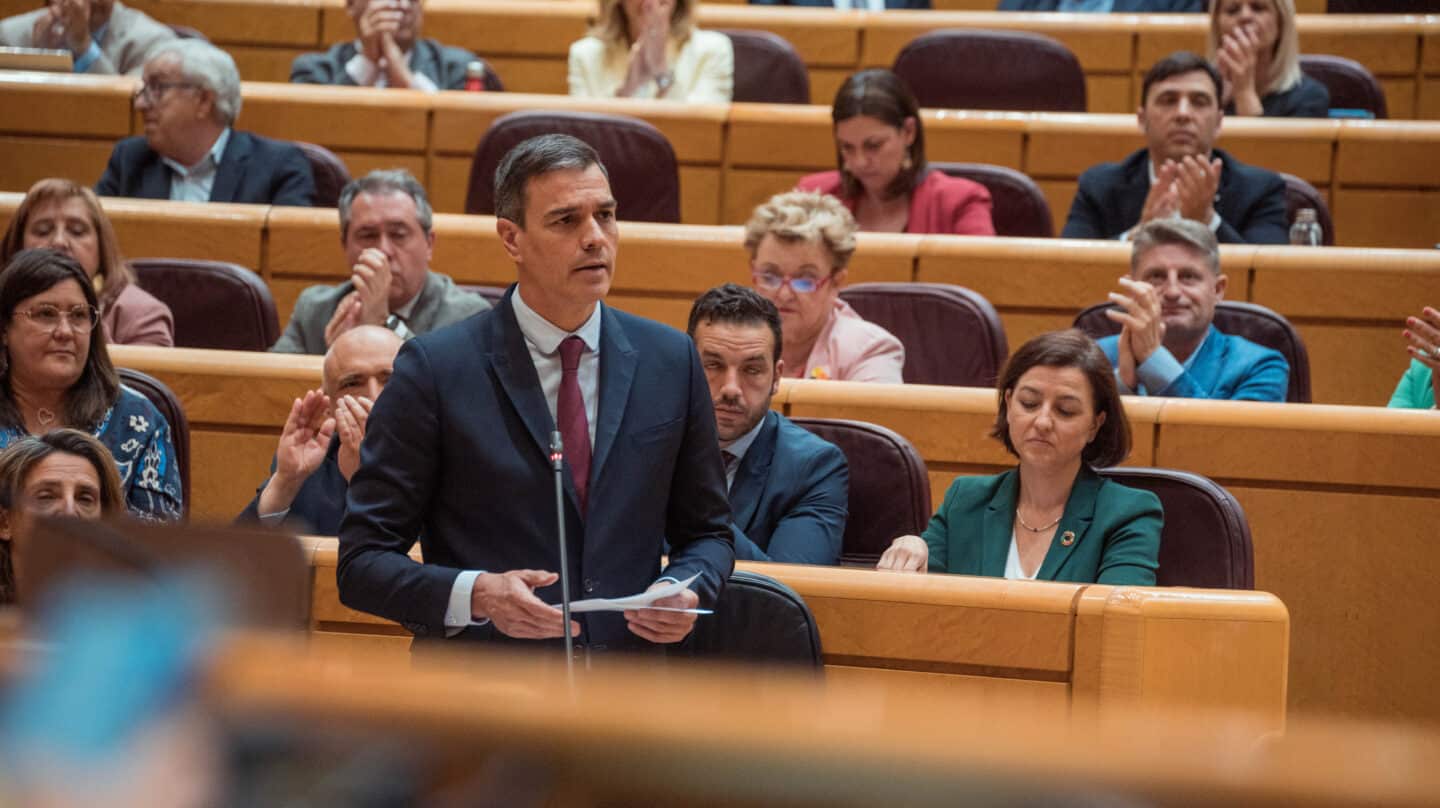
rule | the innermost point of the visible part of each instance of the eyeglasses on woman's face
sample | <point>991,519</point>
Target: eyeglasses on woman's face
<point>48,317</point>
<point>800,285</point>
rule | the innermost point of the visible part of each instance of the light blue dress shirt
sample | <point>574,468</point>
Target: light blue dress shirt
<point>194,183</point>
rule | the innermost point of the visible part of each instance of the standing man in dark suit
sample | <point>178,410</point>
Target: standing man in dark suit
<point>846,5</point>
<point>457,449</point>
<point>387,51</point>
<point>1179,173</point>
<point>191,152</point>
<point>788,488</point>
<point>387,234</point>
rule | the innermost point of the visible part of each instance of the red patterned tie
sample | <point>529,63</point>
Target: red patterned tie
<point>570,413</point>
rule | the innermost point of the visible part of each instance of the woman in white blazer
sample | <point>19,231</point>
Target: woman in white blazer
<point>652,49</point>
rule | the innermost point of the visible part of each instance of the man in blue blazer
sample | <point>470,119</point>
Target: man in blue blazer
<point>320,444</point>
<point>1179,172</point>
<point>859,5</point>
<point>457,449</point>
<point>788,488</point>
<point>1168,344</point>
<point>191,151</point>
<point>1117,6</point>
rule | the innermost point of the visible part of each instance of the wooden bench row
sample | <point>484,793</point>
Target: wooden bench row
<point>1087,649</point>
<point>528,42</point>
<point>1383,188</point>
<point>1341,500</point>
<point>1349,304</point>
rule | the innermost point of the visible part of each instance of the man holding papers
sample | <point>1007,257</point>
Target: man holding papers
<point>457,447</point>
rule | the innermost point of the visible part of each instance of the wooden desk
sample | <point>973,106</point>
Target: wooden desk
<point>760,737</point>
<point>1088,649</point>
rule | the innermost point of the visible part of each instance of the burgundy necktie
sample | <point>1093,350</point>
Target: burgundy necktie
<point>570,414</point>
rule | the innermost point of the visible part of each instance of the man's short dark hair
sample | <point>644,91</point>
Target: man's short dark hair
<point>1175,64</point>
<point>386,181</point>
<point>737,305</point>
<point>531,158</point>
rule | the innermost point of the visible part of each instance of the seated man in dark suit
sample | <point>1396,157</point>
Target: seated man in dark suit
<point>1179,173</point>
<point>1103,6</point>
<point>788,488</point>
<point>846,5</point>
<point>1168,344</point>
<point>190,151</point>
<point>320,445</point>
<point>385,220</point>
<point>388,52</point>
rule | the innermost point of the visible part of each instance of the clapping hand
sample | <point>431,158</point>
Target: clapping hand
<point>1142,327</point>
<point>1423,332</point>
<point>1237,57</point>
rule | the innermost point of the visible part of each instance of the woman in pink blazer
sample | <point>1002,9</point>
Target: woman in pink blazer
<point>883,177</point>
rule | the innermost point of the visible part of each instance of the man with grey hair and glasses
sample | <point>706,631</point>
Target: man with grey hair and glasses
<point>191,152</point>
<point>386,232</point>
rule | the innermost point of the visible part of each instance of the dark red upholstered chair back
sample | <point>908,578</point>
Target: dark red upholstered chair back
<point>643,173</point>
<point>1206,539</point>
<point>169,406</point>
<point>1351,86</point>
<point>1018,207</point>
<point>215,304</point>
<point>960,68</point>
<point>331,175</point>
<point>1252,321</point>
<point>1301,194</point>
<point>889,488</point>
<point>767,69</point>
<point>951,335</point>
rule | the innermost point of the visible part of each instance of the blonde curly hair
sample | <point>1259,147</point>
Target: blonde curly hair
<point>804,216</point>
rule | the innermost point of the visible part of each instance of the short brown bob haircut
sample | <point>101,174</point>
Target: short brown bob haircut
<point>1071,349</point>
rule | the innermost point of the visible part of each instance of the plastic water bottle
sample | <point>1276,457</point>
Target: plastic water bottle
<point>475,77</point>
<point>1306,230</point>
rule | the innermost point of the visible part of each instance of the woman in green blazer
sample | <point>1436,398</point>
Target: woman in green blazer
<point>1052,518</point>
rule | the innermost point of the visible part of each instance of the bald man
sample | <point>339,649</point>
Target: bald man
<point>320,445</point>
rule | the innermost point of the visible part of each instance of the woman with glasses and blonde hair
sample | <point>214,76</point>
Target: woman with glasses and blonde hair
<point>1257,50</point>
<point>67,218</point>
<point>64,472</point>
<point>652,49</point>
<point>55,372</point>
<point>800,243</point>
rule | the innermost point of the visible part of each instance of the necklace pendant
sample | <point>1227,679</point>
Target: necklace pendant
<point>44,416</point>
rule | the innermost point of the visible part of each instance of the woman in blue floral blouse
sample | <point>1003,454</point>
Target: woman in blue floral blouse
<point>55,372</point>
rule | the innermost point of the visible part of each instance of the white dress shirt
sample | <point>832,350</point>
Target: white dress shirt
<point>194,183</point>
<point>860,5</point>
<point>543,339</point>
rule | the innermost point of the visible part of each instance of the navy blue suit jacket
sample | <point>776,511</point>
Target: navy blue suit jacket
<point>1120,7</point>
<point>318,505</point>
<point>790,496</point>
<point>913,4</point>
<point>1250,201</point>
<point>253,170</point>
<point>456,452</point>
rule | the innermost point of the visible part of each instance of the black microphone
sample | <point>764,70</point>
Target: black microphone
<point>557,462</point>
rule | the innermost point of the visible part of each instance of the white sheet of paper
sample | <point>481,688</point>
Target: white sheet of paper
<point>640,601</point>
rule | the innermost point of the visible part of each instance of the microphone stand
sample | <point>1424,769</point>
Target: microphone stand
<point>557,462</point>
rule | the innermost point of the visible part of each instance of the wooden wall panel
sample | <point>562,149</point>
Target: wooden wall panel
<point>27,160</point>
<point>1354,570</point>
<point>1389,218</point>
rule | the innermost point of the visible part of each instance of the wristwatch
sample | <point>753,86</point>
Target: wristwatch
<point>664,82</point>
<point>394,323</point>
